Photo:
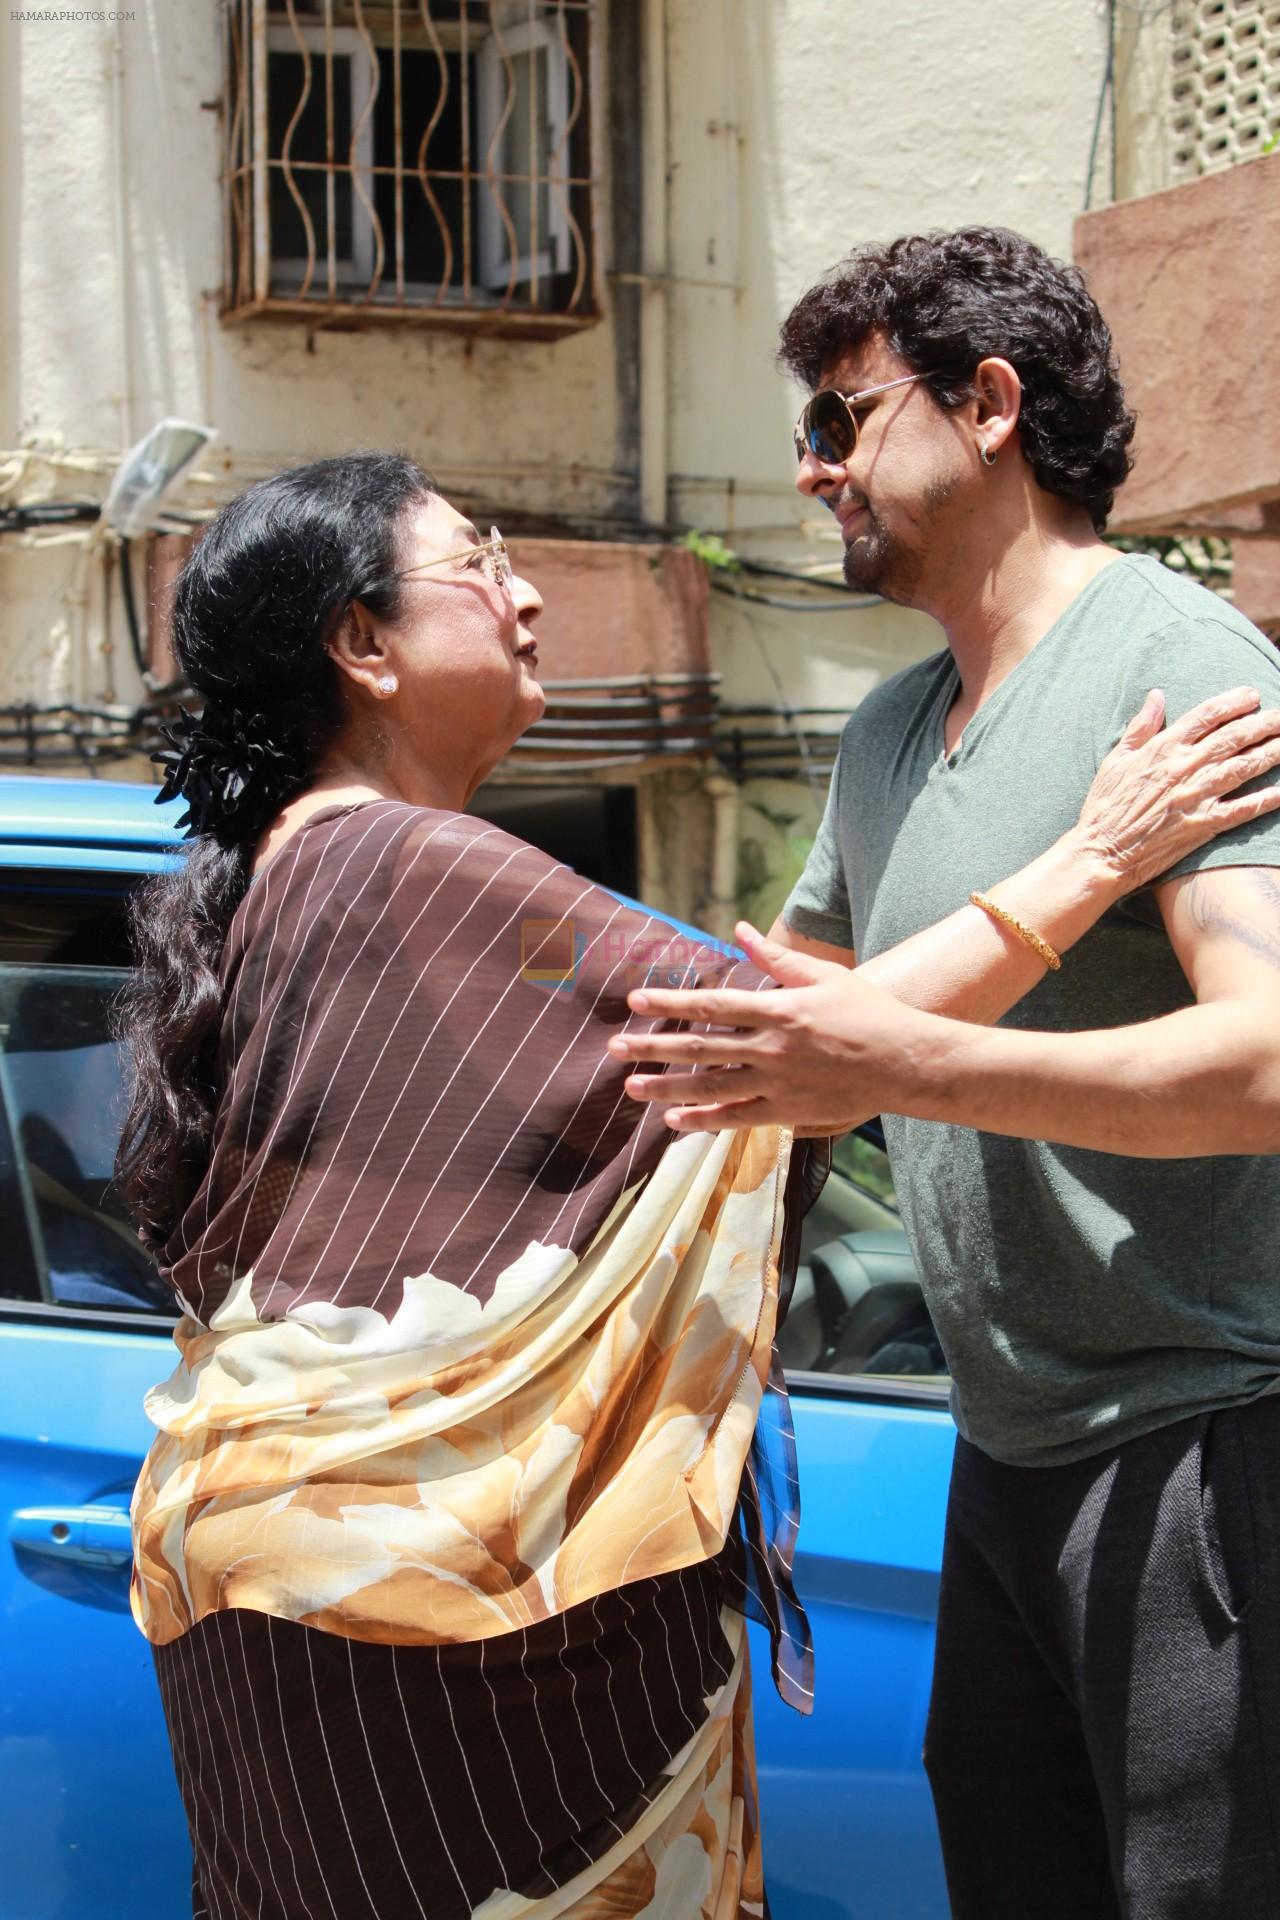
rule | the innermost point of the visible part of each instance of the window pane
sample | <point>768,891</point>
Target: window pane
<point>527,152</point>
<point>285,81</point>
<point>426,95</point>
<point>858,1310</point>
<point>490,94</point>
<point>867,1166</point>
<point>61,1086</point>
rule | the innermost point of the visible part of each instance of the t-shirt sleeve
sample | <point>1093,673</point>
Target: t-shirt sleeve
<point>818,905</point>
<point>1192,659</point>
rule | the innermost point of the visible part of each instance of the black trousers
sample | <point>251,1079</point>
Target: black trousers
<point>1104,1731</point>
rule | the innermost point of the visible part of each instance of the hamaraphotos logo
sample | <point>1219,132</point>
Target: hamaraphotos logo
<point>551,953</point>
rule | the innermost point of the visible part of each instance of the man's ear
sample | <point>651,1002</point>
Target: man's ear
<point>999,402</point>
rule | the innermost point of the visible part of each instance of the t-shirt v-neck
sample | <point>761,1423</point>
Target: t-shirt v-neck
<point>951,684</point>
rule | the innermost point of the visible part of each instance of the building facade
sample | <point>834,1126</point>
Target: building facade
<point>1186,261</point>
<point>544,246</point>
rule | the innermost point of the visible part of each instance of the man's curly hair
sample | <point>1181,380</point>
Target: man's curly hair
<point>945,301</point>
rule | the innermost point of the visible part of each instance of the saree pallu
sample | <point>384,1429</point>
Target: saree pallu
<point>470,1341</point>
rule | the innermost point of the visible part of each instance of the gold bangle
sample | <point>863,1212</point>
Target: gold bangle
<point>1023,931</point>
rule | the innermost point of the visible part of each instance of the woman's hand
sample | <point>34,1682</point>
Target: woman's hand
<point>1164,791</point>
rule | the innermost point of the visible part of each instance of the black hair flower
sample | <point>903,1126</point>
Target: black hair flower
<point>230,772</point>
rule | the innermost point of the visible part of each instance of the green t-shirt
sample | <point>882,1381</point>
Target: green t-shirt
<point>1081,1298</point>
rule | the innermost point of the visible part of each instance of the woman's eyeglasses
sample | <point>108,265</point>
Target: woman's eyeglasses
<point>493,552</point>
<point>828,427</point>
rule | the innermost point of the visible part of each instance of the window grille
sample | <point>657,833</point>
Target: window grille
<point>410,159</point>
<point>1224,102</point>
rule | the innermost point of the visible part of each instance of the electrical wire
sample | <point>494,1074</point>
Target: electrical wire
<point>846,604</point>
<point>760,569</point>
<point>785,713</point>
<point>49,513</point>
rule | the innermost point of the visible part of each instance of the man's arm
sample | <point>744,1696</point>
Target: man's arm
<point>825,1056</point>
<point>784,936</point>
<point>1200,1081</point>
<point>1134,825</point>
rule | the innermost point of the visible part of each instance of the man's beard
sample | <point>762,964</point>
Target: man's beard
<point>873,560</point>
<point>878,561</point>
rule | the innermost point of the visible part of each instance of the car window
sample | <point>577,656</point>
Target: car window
<point>865,1164</point>
<point>68,1242</point>
<point>857,1312</point>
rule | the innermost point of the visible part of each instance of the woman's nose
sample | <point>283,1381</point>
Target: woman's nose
<point>527,598</point>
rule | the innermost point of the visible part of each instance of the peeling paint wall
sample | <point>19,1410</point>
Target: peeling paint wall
<point>801,127</point>
<point>805,126</point>
<point>116,331</point>
<point>794,129</point>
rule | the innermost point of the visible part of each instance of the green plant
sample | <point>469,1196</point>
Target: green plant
<point>712,551</point>
<point>1206,558</point>
<point>764,881</point>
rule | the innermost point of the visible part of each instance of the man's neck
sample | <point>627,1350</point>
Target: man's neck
<point>1006,599</point>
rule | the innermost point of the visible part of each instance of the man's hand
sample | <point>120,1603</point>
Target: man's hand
<point>822,1054</point>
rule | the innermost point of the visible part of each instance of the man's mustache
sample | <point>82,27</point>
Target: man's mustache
<point>845,500</point>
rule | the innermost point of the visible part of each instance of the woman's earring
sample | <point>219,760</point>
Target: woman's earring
<point>388,683</point>
<point>988,456</point>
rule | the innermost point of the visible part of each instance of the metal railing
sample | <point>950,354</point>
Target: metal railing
<point>588,726</point>
<point>621,721</point>
<point>402,160</point>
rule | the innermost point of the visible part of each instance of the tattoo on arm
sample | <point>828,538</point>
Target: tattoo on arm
<point>1259,931</point>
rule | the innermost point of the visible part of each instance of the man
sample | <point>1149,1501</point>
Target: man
<point>1084,1151</point>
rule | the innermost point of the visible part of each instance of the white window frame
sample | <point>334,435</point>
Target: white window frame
<point>491,89</point>
<point>355,268</point>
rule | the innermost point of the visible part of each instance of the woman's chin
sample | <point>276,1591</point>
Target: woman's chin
<point>530,707</point>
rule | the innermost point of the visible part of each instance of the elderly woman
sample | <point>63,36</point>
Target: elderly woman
<point>445,1539</point>
<point>459,1492</point>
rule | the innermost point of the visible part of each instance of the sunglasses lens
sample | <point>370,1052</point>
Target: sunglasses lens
<point>827,429</point>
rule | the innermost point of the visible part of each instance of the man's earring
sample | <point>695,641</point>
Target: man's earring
<point>988,456</point>
<point>388,683</point>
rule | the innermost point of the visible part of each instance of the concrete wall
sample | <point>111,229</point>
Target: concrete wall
<point>1189,278</point>
<point>793,129</point>
<point>800,128</point>
<point>1186,271</point>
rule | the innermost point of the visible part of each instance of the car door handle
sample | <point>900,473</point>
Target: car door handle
<point>94,1536</point>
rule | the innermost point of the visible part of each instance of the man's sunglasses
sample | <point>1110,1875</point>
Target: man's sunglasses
<point>828,427</point>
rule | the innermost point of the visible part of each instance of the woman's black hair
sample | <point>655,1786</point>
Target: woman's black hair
<point>253,607</point>
<point>945,301</point>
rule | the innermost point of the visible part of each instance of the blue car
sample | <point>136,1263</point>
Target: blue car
<point>90,1821</point>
